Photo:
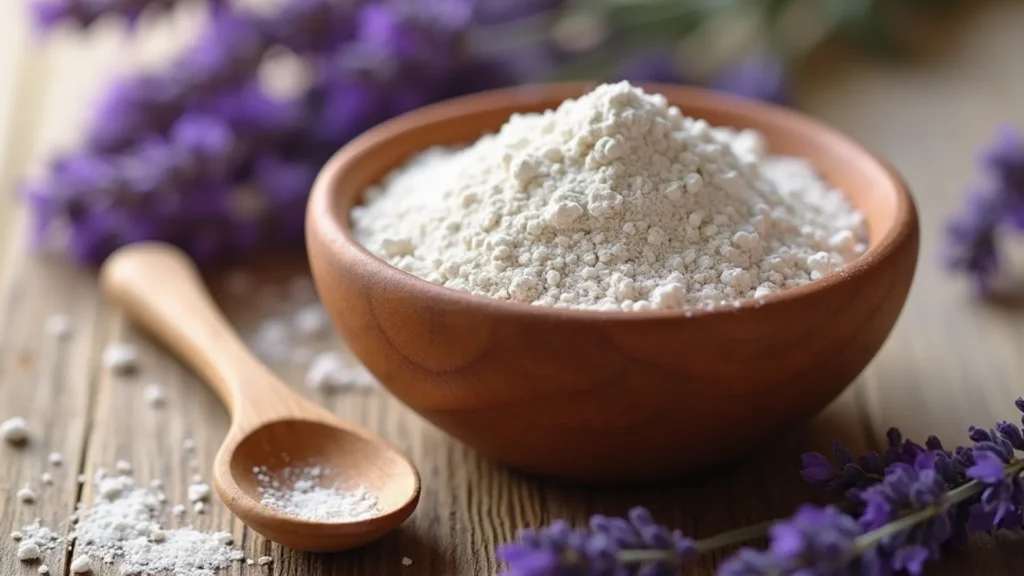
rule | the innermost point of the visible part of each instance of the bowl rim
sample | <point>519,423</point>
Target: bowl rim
<point>335,230</point>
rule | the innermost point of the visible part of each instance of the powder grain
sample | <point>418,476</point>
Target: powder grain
<point>301,492</point>
<point>613,201</point>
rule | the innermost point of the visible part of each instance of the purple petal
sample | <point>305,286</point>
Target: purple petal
<point>816,469</point>
<point>988,468</point>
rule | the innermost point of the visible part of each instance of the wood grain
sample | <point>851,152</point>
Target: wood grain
<point>949,362</point>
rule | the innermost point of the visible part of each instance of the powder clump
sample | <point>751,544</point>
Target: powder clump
<point>614,201</point>
<point>300,492</point>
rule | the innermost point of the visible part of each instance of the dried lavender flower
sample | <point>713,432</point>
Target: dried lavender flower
<point>199,155</point>
<point>814,541</point>
<point>47,14</point>
<point>610,546</point>
<point>762,76</point>
<point>971,236</point>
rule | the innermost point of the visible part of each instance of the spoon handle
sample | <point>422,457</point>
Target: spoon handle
<point>160,288</point>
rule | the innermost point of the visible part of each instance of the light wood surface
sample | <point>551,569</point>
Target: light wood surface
<point>949,362</point>
<point>607,397</point>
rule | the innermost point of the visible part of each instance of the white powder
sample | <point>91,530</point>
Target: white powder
<point>55,458</point>
<point>299,492</point>
<point>155,396</point>
<point>310,320</point>
<point>122,526</point>
<point>81,564</point>
<point>44,538</point>
<point>297,333</point>
<point>43,569</point>
<point>198,492</point>
<point>28,551</point>
<point>58,326</point>
<point>264,560</point>
<point>406,561</point>
<point>46,478</point>
<point>616,201</point>
<point>14,430</point>
<point>121,358</point>
<point>332,370</point>
<point>26,494</point>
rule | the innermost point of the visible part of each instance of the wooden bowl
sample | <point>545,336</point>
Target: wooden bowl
<point>610,396</point>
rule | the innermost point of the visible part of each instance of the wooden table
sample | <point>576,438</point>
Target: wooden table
<point>950,362</point>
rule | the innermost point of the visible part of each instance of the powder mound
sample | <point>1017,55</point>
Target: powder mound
<point>614,201</point>
<point>123,526</point>
<point>299,492</point>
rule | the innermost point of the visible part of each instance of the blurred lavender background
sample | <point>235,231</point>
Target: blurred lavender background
<point>201,154</point>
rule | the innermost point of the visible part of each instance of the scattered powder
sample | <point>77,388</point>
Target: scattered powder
<point>121,358</point>
<point>41,536</point>
<point>296,331</point>
<point>178,510</point>
<point>406,561</point>
<point>156,484</point>
<point>81,479</point>
<point>332,370</point>
<point>155,396</point>
<point>264,560</point>
<point>613,201</point>
<point>55,458</point>
<point>123,467</point>
<point>199,508</point>
<point>249,561</point>
<point>58,326</point>
<point>198,492</point>
<point>82,564</point>
<point>189,445</point>
<point>310,320</point>
<point>46,478</point>
<point>123,526</point>
<point>44,569</point>
<point>26,494</point>
<point>28,551</point>
<point>298,492</point>
<point>16,535</point>
<point>14,430</point>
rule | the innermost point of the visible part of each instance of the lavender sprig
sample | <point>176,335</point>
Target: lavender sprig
<point>925,499</point>
<point>971,236</point>
<point>83,13</point>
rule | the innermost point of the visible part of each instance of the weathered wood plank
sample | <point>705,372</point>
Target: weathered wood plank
<point>41,377</point>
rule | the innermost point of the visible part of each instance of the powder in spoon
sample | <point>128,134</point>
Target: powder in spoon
<point>300,492</point>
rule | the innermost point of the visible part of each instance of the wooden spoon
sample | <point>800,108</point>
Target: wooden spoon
<point>271,425</point>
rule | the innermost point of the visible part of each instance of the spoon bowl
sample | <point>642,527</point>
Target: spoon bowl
<point>273,427</point>
<point>272,447</point>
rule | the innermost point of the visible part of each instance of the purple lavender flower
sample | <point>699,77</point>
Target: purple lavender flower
<point>762,76</point>
<point>500,11</point>
<point>602,550</point>
<point>311,26</point>
<point>853,475</point>
<point>971,244</point>
<point>655,64</point>
<point>814,541</point>
<point>971,240</point>
<point>47,14</point>
<point>1002,500</point>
